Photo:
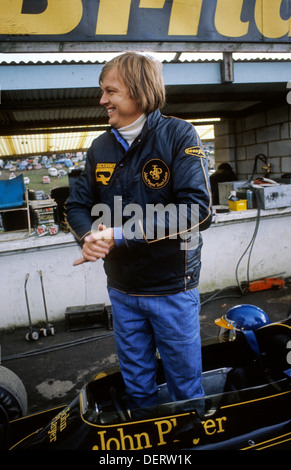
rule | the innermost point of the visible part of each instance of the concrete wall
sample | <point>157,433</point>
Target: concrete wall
<point>228,238</point>
<point>239,141</point>
<point>65,285</point>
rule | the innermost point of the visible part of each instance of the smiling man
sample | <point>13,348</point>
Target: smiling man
<point>143,160</point>
<point>122,109</point>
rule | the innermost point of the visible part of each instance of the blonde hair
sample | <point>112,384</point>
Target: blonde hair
<point>142,74</point>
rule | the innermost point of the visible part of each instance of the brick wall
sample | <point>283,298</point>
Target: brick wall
<point>239,141</point>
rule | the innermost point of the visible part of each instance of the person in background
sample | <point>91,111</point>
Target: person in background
<point>223,174</point>
<point>146,159</point>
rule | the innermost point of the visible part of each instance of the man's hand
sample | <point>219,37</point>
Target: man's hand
<point>97,245</point>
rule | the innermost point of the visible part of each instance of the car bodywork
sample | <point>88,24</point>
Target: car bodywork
<point>246,406</point>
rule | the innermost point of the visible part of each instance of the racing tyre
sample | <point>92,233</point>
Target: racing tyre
<point>13,397</point>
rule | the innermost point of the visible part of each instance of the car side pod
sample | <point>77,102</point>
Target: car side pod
<point>243,408</point>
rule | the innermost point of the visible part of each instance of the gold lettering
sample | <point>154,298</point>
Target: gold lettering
<point>127,439</point>
<point>53,432</point>
<point>60,17</point>
<point>61,418</point>
<point>139,442</point>
<point>102,440</point>
<point>209,427</point>
<point>185,16</point>
<point>152,3</point>
<point>63,422</point>
<point>227,18</point>
<point>219,421</point>
<point>123,442</point>
<point>164,429</point>
<point>113,17</point>
<point>212,426</point>
<point>116,443</point>
<point>268,19</point>
<point>124,438</point>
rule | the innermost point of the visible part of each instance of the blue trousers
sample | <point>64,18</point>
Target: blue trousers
<point>168,323</point>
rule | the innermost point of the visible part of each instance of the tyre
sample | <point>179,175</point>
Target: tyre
<point>13,397</point>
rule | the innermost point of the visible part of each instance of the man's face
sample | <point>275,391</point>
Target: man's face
<point>122,109</point>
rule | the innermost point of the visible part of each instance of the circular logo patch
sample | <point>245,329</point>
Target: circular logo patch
<point>155,173</point>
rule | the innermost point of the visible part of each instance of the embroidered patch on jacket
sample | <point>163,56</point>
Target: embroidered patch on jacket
<point>195,151</point>
<point>104,171</point>
<point>156,173</point>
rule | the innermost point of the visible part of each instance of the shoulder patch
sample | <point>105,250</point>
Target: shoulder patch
<point>196,151</point>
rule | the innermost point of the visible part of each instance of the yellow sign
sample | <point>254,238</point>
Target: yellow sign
<point>59,17</point>
<point>146,20</point>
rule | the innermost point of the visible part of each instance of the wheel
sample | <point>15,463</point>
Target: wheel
<point>48,331</point>
<point>13,397</point>
<point>43,332</point>
<point>32,336</point>
<point>52,331</point>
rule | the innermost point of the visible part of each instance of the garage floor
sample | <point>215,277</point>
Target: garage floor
<point>54,369</point>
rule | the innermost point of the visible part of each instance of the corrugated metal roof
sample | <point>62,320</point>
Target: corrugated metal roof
<point>101,58</point>
<point>53,143</point>
<point>47,143</point>
<point>55,114</point>
<point>31,116</point>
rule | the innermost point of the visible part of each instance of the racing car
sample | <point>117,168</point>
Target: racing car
<point>246,405</point>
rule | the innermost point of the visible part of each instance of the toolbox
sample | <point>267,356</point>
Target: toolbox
<point>273,197</point>
<point>44,212</point>
<point>86,317</point>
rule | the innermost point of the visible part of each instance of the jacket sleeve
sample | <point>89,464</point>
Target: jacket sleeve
<point>190,177</point>
<point>80,202</point>
<point>190,210</point>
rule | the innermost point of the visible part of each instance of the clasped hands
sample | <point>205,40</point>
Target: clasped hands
<point>97,245</point>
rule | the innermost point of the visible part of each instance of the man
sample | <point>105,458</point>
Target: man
<point>146,161</point>
<point>223,174</point>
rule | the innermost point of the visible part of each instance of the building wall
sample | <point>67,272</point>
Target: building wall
<point>66,285</point>
<point>269,133</point>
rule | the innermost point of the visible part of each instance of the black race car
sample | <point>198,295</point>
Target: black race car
<point>246,406</point>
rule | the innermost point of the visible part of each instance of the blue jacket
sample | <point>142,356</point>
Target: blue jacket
<point>156,190</point>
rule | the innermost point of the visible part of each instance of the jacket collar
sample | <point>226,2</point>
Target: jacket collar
<point>153,118</point>
<point>150,123</point>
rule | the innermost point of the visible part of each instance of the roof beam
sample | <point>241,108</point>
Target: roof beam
<point>63,104</point>
<point>57,104</point>
<point>55,127</point>
<point>142,46</point>
<point>68,76</point>
<point>77,125</point>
